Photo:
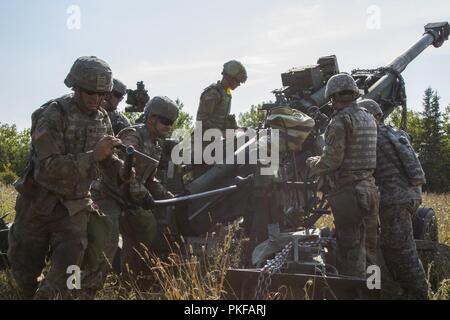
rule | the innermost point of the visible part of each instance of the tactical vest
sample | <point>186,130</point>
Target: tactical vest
<point>218,118</point>
<point>145,169</point>
<point>361,148</point>
<point>388,163</point>
<point>396,156</point>
<point>80,134</point>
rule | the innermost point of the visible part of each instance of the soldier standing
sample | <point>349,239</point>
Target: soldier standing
<point>112,100</point>
<point>130,212</point>
<point>215,103</point>
<point>72,144</point>
<point>399,199</point>
<point>349,158</point>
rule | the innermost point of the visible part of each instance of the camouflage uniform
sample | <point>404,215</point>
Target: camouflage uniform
<point>214,108</point>
<point>118,121</point>
<point>215,105</point>
<point>398,202</point>
<point>137,226</point>
<point>349,157</point>
<point>55,211</point>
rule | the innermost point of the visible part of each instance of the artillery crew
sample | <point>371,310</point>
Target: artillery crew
<point>400,196</point>
<point>349,158</point>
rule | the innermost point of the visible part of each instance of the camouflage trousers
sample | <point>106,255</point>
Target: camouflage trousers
<point>43,230</point>
<point>113,210</point>
<point>355,211</point>
<point>399,249</point>
<point>135,251</point>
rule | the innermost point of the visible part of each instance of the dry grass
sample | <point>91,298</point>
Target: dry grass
<point>184,275</point>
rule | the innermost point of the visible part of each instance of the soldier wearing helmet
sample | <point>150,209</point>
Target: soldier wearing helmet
<point>112,100</point>
<point>349,158</point>
<point>129,212</point>
<point>72,145</point>
<point>215,101</point>
<point>399,199</point>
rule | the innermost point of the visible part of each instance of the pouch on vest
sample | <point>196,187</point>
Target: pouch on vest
<point>99,230</point>
<point>345,206</point>
<point>407,156</point>
<point>142,223</point>
<point>294,127</point>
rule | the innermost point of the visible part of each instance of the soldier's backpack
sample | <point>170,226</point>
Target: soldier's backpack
<point>39,111</point>
<point>24,185</point>
<point>411,166</point>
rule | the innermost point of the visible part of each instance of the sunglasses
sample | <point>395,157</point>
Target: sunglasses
<point>165,121</point>
<point>91,93</point>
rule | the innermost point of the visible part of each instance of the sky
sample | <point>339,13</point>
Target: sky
<point>178,47</point>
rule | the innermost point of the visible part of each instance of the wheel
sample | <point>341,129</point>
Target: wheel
<point>425,225</point>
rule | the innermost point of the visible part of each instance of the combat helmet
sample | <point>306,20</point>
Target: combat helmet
<point>372,106</point>
<point>341,83</point>
<point>90,73</point>
<point>119,86</point>
<point>161,106</point>
<point>236,70</point>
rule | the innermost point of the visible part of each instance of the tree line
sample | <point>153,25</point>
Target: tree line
<point>429,130</point>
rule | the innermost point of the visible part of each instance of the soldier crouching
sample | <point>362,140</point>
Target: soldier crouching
<point>129,209</point>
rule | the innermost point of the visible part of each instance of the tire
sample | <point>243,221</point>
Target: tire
<point>425,225</point>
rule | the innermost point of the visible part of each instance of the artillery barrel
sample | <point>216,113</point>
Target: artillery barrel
<point>435,34</point>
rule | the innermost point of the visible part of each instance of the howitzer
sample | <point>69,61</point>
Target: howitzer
<point>303,89</point>
<point>149,202</point>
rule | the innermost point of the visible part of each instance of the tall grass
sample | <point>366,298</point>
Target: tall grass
<point>185,275</point>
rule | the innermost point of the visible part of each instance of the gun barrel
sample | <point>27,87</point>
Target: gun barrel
<point>435,34</point>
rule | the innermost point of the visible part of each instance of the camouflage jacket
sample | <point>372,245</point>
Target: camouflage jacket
<point>118,121</point>
<point>349,154</point>
<point>214,107</point>
<point>393,184</point>
<point>63,140</point>
<point>145,181</point>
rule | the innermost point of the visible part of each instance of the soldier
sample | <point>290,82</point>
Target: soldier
<point>349,158</point>
<point>137,226</point>
<point>112,100</point>
<point>399,199</point>
<point>215,103</point>
<point>72,143</point>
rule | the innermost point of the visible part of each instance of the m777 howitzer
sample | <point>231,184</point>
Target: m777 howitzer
<point>281,209</point>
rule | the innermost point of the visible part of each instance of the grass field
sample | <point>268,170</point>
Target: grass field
<point>203,278</point>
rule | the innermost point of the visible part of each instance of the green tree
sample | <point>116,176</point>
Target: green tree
<point>14,148</point>
<point>184,120</point>
<point>132,116</point>
<point>432,151</point>
<point>414,125</point>
<point>252,119</point>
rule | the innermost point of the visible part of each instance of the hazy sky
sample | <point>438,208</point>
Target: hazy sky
<point>178,47</point>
